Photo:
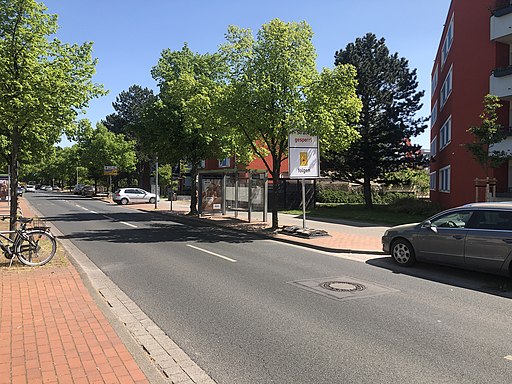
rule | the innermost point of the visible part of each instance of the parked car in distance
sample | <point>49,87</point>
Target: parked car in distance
<point>47,188</point>
<point>30,188</point>
<point>78,189</point>
<point>20,190</point>
<point>474,236</point>
<point>132,195</point>
<point>88,191</point>
<point>56,188</point>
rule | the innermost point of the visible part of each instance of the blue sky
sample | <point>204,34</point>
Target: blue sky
<point>129,35</point>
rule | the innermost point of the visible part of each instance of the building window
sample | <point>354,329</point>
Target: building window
<point>447,43</point>
<point>433,147</point>
<point>433,84</point>
<point>444,179</point>
<point>224,163</point>
<point>445,135</point>
<point>433,181</point>
<point>433,115</point>
<point>446,89</point>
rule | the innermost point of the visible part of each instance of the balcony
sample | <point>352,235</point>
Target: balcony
<point>501,25</point>
<point>501,83</point>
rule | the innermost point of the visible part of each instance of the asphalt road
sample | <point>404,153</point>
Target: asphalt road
<point>250,310</point>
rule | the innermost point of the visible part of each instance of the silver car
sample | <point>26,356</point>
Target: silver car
<point>474,236</point>
<point>133,195</point>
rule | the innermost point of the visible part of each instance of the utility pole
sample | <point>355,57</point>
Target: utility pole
<point>156,184</point>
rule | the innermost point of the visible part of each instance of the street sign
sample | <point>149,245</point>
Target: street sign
<point>110,170</point>
<point>304,157</point>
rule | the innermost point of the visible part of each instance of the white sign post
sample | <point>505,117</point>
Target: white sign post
<point>304,162</point>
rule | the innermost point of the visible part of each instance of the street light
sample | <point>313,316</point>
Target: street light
<point>156,184</point>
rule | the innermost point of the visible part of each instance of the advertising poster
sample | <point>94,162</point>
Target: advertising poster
<point>211,200</point>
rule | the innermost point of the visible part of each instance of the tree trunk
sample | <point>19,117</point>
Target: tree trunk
<point>14,180</point>
<point>193,189</point>
<point>367,191</point>
<point>275,197</point>
<point>276,184</point>
<point>144,175</point>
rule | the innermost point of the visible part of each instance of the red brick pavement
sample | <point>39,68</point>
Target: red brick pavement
<point>52,331</point>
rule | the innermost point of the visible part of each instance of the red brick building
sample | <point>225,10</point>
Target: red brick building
<point>473,59</point>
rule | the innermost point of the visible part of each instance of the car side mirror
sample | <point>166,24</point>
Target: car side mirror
<point>428,224</point>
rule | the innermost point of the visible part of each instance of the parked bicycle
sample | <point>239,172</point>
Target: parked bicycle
<point>33,246</point>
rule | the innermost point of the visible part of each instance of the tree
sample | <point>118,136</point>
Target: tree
<point>387,89</point>
<point>486,134</point>
<point>44,84</point>
<point>100,147</point>
<point>128,119</point>
<point>275,90</point>
<point>184,123</point>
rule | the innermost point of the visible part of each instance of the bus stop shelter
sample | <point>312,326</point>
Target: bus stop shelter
<point>233,190</point>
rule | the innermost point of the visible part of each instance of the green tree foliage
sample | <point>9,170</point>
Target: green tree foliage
<point>130,106</point>
<point>415,177</point>
<point>44,84</point>
<point>100,147</point>
<point>487,133</point>
<point>184,124</point>
<point>275,90</point>
<point>387,89</point>
<point>128,119</point>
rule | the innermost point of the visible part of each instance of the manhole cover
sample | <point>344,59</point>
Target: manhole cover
<point>343,286</point>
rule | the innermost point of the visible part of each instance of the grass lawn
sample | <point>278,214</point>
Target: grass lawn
<point>380,214</point>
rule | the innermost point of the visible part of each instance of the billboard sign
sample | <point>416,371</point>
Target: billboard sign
<point>304,157</point>
<point>110,170</point>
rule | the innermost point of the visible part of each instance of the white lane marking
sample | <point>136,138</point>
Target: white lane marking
<point>128,224</point>
<point>212,253</point>
<point>508,357</point>
<point>107,217</point>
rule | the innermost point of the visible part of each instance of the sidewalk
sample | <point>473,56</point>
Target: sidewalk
<point>343,236</point>
<point>52,331</point>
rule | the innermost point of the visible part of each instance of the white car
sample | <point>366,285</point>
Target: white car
<point>30,188</point>
<point>133,195</point>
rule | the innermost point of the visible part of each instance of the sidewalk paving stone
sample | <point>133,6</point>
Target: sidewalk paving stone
<point>52,330</point>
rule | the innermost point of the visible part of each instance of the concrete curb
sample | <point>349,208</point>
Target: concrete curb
<point>213,223</point>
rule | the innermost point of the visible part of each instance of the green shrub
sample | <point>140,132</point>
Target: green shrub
<point>339,197</point>
<point>413,206</point>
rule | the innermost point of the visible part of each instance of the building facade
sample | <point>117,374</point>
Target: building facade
<point>473,60</point>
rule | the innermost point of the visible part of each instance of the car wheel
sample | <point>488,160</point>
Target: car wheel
<point>124,201</point>
<point>403,252</point>
<point>152,200</point>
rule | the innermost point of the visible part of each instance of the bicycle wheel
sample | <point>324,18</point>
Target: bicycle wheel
<point>35,247</point>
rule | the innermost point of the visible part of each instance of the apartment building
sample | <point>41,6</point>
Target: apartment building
<point>473,59</point>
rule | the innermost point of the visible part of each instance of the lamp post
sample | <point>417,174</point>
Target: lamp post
<point>156,184</point>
